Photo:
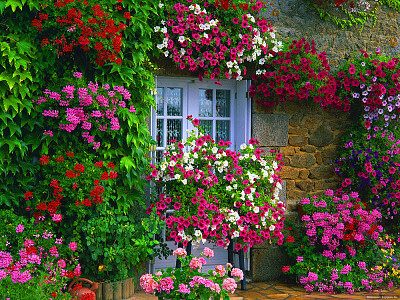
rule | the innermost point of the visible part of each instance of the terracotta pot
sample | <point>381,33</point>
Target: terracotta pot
<point>300,210</point>
<point>79,293</point>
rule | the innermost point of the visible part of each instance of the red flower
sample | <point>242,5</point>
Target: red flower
<point>289,239</point>
<point>87,202</point>
<point>70,154</point>
<point>127,15</point>
<point>44,159</point>
<point>41,206</point>
<point>104,176</point>
<point>77,286</point>
<point>285,269</point>
<point>99,164</point>
<point>113,175</point>
<point>31,250</point>
<point>367,124</point>
<point>54,295</point>
<point>74,186</point>
<point>110,165</point>
<point>79,168</point>
<point>60,158</point>
<point>71,174</point>
<point>28,195</point>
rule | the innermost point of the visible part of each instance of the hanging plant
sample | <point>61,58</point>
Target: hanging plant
<point>213,39</point>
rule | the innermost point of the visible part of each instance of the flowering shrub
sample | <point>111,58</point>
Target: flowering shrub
<point>215,42</point>
<point>337,246</point>
<point>91,25</point>
<point>188,282</point>
<point>218,194</point>
<point>93,110</point>
<point>33,260</point>
<point>296,72</point>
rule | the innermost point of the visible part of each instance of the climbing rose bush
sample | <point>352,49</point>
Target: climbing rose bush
<point>218,194</point>
<point>188,280</point>
<point>90,109</point>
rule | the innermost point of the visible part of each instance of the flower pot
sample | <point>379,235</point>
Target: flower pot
<point>118,290</point>
<point>83,291</point>
<point>300,210</point>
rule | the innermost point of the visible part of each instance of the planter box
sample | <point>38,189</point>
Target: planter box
<point>118,290</point>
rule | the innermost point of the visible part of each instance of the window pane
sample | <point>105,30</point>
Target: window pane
<point>160,133</point>
<point>207,125</point>
<point>174,130</point>
<point>205,103</point>
<point>159,154</point>
<point>223,103</point>
<point>174,101</point>
<point>160,101</point>
<point>222,130</point>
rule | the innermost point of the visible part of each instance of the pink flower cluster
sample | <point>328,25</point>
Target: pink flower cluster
<point>196,40</point>
<point>91,108</point>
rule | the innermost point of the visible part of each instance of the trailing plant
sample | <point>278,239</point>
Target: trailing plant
<point>347,13</point>
<point>218,194</point>
<point>215,42</point>
<point>296,72</point>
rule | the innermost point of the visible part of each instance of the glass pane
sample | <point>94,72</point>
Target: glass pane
<point>160,133</point>
<point>223,103</point>
<point>174,101</point>
<point>205,103</point>
<point>174,130</point>
<point>207,125</point>
<point>222,130</point>
<point>160,101</point>
<point>159,154</point>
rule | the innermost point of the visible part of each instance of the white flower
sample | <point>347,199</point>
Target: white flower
<point>261,61</point>
<point>235,186</point>
<point>160,5</point>
<point>214,150</point>
<point>163,22</point>
<point>278,186</point>
<point>184,181</point>
<point>213,23</point>
<point>157,28</point>
<point>235,234</point>
<point>229,188</point>
<point>181,39</point>
<point>243,146</point>
<point>256,209</point>
<point>206,27</point>
<point>272,34</point>
<point>195,155</point>
<point>253,157</point>
<point>220,169</point>
<point>197,233</point>
<point>229,64</point>
<point>272,227</point>
<point>218,156</point>
<point>164,29</point>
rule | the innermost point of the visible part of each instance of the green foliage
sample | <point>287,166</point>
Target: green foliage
<point>116,242</point>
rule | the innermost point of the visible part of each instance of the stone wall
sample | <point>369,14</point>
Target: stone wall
<point>295,19</point>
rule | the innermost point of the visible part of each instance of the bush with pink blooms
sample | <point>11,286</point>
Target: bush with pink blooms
<point>201,37</point>
<point>337,248</point>
<point>188,282</point>
<point>33,260</point>
<point>218,194</point>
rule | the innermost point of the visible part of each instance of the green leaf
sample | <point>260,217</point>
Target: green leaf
<point>14,4</point>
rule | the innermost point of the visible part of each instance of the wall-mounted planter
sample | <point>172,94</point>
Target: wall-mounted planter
<point>118,290</point>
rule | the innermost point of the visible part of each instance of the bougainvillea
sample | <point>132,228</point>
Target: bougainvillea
<point>214,42</point>
<point>219,194</point>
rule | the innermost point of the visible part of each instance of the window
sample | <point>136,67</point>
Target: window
<point>215,106</point>
<point>224,113</point>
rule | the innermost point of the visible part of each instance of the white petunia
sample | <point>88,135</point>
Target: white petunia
<point>243,146</point>
<point>160,5</point>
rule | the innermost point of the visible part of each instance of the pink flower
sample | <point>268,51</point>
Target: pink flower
<point>73,246</point>
<point>208,252</point>
<point>237,273</point>
<point>180,252</point>
<point>77,75</point>
<point>61,263</point>
<point>229,285</point>
<point>57,218</point>
<point>220,270</point>
<point>20,228</point>
<point>196,122</point>
<point>148,284</point>
<point>195,263</point>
